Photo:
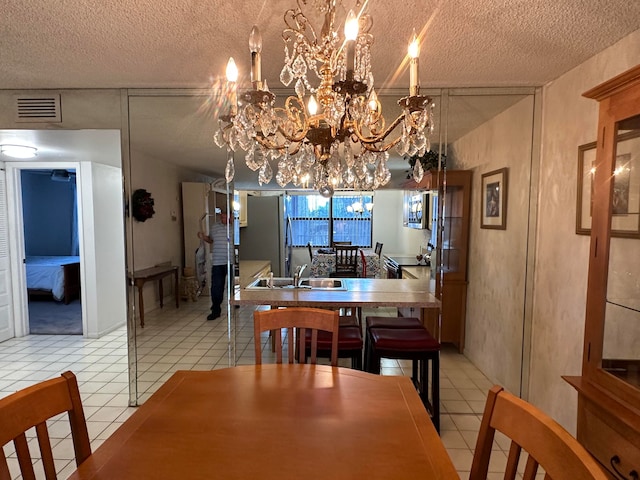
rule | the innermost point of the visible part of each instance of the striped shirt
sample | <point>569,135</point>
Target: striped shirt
<point>218,233</point>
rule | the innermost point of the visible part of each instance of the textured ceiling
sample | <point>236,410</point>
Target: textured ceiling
<point>186,43</point>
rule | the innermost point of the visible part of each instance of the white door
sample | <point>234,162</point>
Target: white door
<point>6,318</point>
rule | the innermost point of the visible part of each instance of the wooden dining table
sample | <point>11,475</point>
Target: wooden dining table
<point>273,422</point>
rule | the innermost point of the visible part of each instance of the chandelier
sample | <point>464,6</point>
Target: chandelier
<point>332,134</point>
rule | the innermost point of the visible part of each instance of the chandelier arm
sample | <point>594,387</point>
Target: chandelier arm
<point>292,113</point>
<point>272,145</point>
<point>378,138</point>
<point>263,141</point>
<point>295,139</point>
<point>384,148</point>
<point>297,23</point>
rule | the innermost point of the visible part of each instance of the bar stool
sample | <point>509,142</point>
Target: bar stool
<point>385,322</point>
<point>350,344</point>
<point>414,344</point>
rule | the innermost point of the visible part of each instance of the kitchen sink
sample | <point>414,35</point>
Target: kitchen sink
<point>278,282</point>
<point>323,283</point>
<point>305,283</point>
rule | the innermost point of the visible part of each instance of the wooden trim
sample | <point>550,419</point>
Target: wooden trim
<point>615,85</point>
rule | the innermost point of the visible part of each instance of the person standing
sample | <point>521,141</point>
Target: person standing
<point>219,242</point>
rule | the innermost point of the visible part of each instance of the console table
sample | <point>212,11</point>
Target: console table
<point>140,277</point>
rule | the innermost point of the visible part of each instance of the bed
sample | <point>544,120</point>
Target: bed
<point>56,276</point>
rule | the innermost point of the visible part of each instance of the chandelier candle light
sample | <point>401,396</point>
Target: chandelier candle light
<point>340,140</point>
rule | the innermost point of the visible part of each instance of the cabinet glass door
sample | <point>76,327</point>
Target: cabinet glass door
<point>621,341</point>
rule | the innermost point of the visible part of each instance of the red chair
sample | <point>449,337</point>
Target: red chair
<point>386,322</point>
<point>350,344</point>
<point>364,264</point>
<point>414,344</point>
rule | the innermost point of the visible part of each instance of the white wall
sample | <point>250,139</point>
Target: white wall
<point>102,249</point>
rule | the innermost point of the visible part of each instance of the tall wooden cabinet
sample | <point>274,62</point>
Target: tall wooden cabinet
<point>454,210</point>
<point>609,387</point>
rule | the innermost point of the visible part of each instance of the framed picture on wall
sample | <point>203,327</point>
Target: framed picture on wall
<point>625,218</point>
<point>493,212</point>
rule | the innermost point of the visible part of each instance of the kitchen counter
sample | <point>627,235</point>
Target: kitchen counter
<point>402,259</point>
<point>360,292</point>
<point>421,272</point>
<point>395,264</point>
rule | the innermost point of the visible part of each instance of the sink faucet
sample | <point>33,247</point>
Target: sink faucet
<point>297,274</point>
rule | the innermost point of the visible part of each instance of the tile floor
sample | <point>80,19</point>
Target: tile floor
<point>181,339</point>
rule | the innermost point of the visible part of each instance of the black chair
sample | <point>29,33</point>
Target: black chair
<point>378,248</point>
<point>310,247</point>
<point>346,261</point>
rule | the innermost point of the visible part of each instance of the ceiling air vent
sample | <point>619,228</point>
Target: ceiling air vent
<point>38,109</point>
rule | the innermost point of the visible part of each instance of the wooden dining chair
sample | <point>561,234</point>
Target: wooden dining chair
<point>546,442</point>
<point>378,248</point>
<point>346,261</point>
<point>342,244</point>
<point>32,407</point>
<point>297,320</point>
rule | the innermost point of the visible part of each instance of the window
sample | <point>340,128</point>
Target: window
<point>322,221</point>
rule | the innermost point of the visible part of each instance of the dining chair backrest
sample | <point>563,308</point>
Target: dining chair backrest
<point>546,442</point>
<point>32,407</point>
<point>296,320</point>
<point>334,244</point>
<point>378,248</point>
<point>346,261</point>
<point>310,247</point>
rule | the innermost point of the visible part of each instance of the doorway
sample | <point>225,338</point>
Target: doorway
<point>52,253</point>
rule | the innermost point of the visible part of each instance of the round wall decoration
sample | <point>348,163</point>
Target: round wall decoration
<point>142,205</point>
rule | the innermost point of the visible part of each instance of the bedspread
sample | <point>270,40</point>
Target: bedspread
<point>46,273</point>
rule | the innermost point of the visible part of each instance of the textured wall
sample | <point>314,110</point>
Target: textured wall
<point>569,120</point>
<point>497,258</point>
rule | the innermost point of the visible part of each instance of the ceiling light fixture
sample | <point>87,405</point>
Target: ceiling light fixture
<point>18,151</point>
<point>337,138</point>
<point>359,206</point>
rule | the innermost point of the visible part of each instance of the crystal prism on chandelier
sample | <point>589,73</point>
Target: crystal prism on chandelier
<point>330,136</point>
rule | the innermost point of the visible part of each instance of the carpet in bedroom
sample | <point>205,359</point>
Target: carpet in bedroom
<point>48,317</point>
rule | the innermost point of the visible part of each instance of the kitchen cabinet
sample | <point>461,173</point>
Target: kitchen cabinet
<point>609,387</point>
<point>450,259</point>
